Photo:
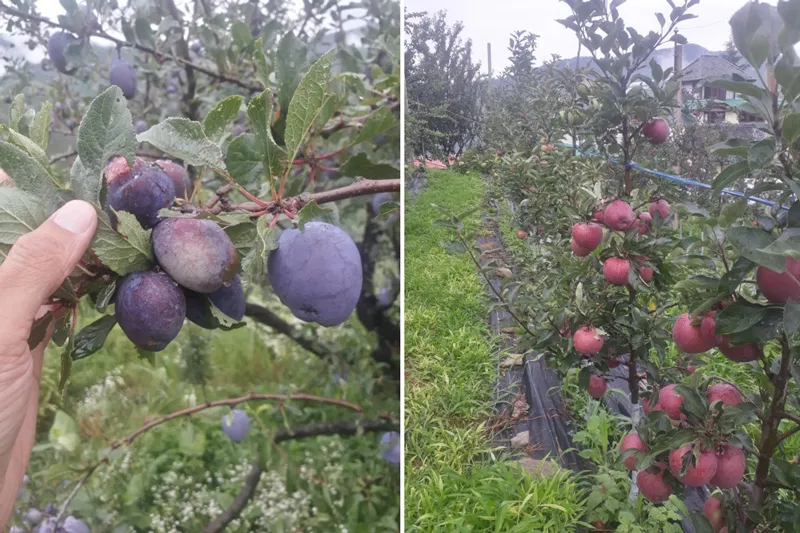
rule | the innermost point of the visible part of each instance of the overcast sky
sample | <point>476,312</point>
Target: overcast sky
<point>494,20</point>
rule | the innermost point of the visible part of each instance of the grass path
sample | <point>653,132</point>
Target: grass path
<point>452,482</point>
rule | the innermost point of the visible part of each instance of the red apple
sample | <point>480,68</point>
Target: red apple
<point>652,485</point>
<point>727,394</point>
<point>696,475</point>
<point>656,130</point>
<point>780,287</point>
<point>713,512</point>
<point>618,216</point>
<point>708,329</point>
<point>731,466</point>
<point>670,402</point>
<point>688,337</point>
<point>521,234</point>
<point>577,250</point>
<point>632,442</point>
<point>740,354</point>
<point>597,387</point>
<point>615,270</point>
<point>587,235</point>
<point>587,341</point>
<point>659,206</point>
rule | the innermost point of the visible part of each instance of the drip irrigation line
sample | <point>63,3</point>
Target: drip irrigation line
<point>683,181</point>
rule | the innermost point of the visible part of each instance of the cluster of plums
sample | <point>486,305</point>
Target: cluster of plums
<point>723,466</point>
<point>121,73</point>
<point>44,521</point>
<point>317,272</point>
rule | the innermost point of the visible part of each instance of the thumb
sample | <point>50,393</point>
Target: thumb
<point>40,261</point>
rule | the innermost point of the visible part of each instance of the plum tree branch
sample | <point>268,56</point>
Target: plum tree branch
<point>343,428</point>
<point>268,318</point>
<point>253,396</point>
<point>361,187</point>
<point>141,48</point>
<point>128,439</point>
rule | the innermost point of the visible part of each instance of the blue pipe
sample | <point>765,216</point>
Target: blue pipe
<point>685,181</point>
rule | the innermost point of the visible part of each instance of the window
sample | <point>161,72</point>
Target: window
<point>747,117</point>
<point>716,117</point>
<point>713,93</point>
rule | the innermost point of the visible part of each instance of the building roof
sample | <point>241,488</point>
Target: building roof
<point>704,104</point>
<point>707,67</point>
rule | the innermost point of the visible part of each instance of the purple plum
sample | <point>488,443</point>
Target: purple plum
<point>236,425</point>
<point>143,193</point>
<point>123,76</point>
<point>229,299</point>
<point>150,309</point>
<point>317,273</point>
<point>33,516</point>
<point>73,525</point>
<point>56,47</point>
<point>141,126</point>
<point>198,254</point>
<point>178,175</point>
<point>390,447</point>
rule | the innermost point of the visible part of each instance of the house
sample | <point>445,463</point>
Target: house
<point>711,104</point>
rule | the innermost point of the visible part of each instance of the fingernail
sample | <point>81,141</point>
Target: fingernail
<point>75,216</point>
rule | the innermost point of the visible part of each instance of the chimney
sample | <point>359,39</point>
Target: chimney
<point>489,55</point>
<point>678,67</point>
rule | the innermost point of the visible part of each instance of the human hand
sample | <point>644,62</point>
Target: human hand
<point>36,266</point>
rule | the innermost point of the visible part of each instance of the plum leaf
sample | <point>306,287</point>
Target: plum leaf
<point>260,60</point>
<point>64,432</point>
<point>116,251</point>
<point>40,129</point>
<point>380,121</point>
<point>138,237</point>
<point>259,111</point>
<point>266,240</point>
<point>92,337</point>
<point>20,213</point>
<point>308,99</point>
<point>186,140</point>
<point>312,211</point>
<point>31,148</point>
<point>105,131</point>
<point>220,116</point>
<point>28,174</point>
<point>244,160</point>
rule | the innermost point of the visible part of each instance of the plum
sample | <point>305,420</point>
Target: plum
<point>56,46</point>
<point>123,76</point>
<point>229,299</point>
<point>317,273</point>
<point>50,509</point>
<point>150,309</point>
<point>15,529</point>
<point>118,169</point>
<point>198,254</point>
<point>142,193</point>
<point>390,447</point>
<point>49,526</point>
<point>178,175</point>
<point>197,47</point>
<point>236,425</point>
<point>171,88</point>
<point>141,126</point>
<point>73,525</point>
<point>33,516</point>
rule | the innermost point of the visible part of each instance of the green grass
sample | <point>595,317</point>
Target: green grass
<point>451,482</point>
